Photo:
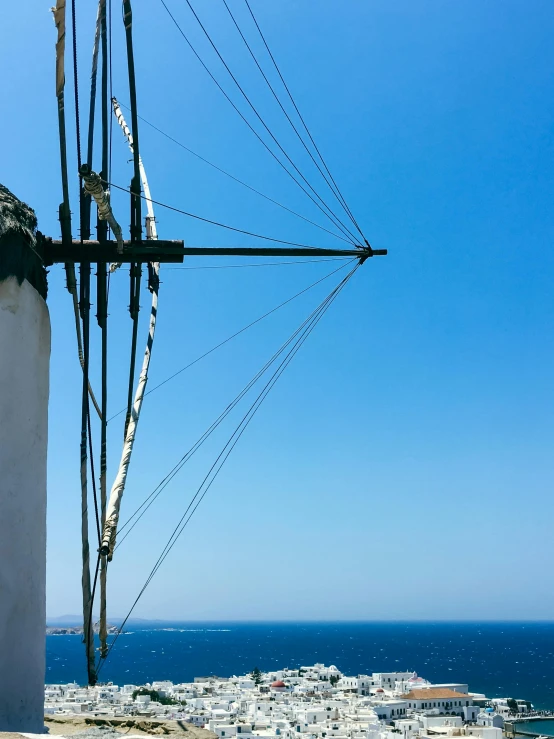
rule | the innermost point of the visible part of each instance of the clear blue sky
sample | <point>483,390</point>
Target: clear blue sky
<point>402,467</point>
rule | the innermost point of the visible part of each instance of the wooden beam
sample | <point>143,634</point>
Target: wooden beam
<point>174,251</point>
<point>93,251</point>
<point>206,251</point>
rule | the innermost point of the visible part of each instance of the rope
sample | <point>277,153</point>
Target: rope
<point>136,218</point>
<point>185,458</point>
<point>103,628</point>
<point>85,304</point>
<point>302,119</point>
<point>103,321</point>
<point>339,222</point>
<point>237,333</point>
<point>92,104</point>
<point>93,76</point>
<point>136,225</point>
<point>93,480</point>
<point>301,139</point>
<point>134,296</point>
<point>111,83</point>
<point>236,179</point>
<point>258,264</point>
<point>90,631</point>
<point>75,301</point>
<point>256,134</point>
<point>76,83</point>
<point>230,445</point>
<point>217,223</point>
<point>85,579</point>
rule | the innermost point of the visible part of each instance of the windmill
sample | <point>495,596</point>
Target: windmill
<point>25,254</point>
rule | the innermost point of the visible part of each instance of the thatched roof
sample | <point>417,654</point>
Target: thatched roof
<point>18,243</point>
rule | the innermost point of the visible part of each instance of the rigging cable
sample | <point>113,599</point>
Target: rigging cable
<point>65,221</point>
<point>256,134</point>
<point>103,412</point>
<point>136,218</point>
<point>111,82</point>
<point>233,440</point>
<point>76,83</point>
<point>110,530</point>
<point>100,18</point>
<point>301,118</point>
<point>301,139</point>
<point>187,456</point>
<point>240,182</point>
<point>64,208</point>
<point>90,631</point>
<point>85,317</point>
<point>264,124</point>
<point>93,78</point>
<point>237,333</point>
<point>216,223</point>
<point>258,264</point>
<point>87,595</point>
<point>93,480</point>
<point>102,318</point>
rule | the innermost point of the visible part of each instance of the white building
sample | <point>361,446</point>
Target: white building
<point>444,700</point>
<point>315,702</point>
<point>489,717</point>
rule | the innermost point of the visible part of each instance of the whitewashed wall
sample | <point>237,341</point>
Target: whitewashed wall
<point>24,383</point>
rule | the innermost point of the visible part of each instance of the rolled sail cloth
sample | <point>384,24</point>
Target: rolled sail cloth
<point>59,20</point>
<point>114,502</point>
<point>116,493</point>
<point>93,186</point>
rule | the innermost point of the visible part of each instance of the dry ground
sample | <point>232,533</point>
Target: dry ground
<point>67,725</point>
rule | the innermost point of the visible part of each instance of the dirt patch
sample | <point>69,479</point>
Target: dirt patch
<point>69,725</point>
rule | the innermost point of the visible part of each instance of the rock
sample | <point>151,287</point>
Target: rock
<point>106,727</point>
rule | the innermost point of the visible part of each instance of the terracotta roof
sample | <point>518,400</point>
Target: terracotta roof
<point>434,694</point>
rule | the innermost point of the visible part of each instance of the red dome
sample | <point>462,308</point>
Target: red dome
<point>278,684</point>
<point>379,690</point>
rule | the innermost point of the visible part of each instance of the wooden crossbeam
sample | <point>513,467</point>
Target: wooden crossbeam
<point>93,251</point>
<point>174,251</point>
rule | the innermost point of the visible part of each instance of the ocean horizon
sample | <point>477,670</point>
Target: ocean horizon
<point>498,658</point>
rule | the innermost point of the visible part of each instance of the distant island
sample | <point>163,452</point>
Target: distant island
<point>64,630</point>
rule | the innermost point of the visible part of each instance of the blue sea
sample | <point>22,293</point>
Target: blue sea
<point>544,726</point>
<point>498,659</point>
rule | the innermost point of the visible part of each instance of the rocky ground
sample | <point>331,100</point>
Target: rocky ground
<point>92,727</point>
<point>81,727</point>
